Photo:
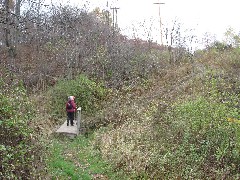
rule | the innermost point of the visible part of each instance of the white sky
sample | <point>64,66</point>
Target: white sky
<point>213,16</point>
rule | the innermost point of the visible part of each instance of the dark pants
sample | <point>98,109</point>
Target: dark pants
<point>70,116</point>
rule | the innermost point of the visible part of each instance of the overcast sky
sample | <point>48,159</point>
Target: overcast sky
<point>213,16</point>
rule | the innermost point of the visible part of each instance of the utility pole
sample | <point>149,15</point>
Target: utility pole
<point>114,24</point>
<point>159,4</point>
<point>108,15</point>
<point>114,9</point>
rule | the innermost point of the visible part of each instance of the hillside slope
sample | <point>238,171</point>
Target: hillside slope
<point>174,125</point>
<point>171,125</point>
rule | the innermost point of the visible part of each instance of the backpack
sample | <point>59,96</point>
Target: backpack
<point>69,105</point>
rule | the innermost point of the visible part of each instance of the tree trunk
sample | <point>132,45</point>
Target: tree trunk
<point>17,13</point>
<point>8,5</point>
<point>7,27</point>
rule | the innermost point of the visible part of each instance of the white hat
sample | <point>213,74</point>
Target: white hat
<point>71,98</point>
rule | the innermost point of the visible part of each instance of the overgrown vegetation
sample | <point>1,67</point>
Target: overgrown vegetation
<point>201,142</point>
<point>151,111</point>
<point>197,137</point>
<point>18,146</point>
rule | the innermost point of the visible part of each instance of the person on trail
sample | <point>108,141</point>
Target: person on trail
<point>71,109</point>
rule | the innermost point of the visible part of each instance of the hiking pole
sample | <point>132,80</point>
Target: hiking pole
<point>75,116</point>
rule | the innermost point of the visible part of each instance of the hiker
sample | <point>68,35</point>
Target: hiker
<point>71,109</point>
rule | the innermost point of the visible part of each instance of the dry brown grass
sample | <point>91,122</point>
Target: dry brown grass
<point>130,145</point>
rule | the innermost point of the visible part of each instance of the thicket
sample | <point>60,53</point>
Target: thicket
<point>19,151</point>
<point>44,44</point>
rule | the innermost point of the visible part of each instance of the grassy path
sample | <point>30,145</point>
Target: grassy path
<point>77,159</point>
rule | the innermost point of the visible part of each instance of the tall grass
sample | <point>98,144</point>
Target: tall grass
<point>200,141</point>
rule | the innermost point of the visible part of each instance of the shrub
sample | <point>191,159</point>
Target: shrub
<point>17,152</point>
<point>88,95</point>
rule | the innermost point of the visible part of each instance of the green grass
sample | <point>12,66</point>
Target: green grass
<point>201,142</point>
<point>77,159</point>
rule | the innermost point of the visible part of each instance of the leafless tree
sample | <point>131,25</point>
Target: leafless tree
<point>179,46</point>
<point>47,42</point>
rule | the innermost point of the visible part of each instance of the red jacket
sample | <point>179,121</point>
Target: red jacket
<point>74,108</point>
